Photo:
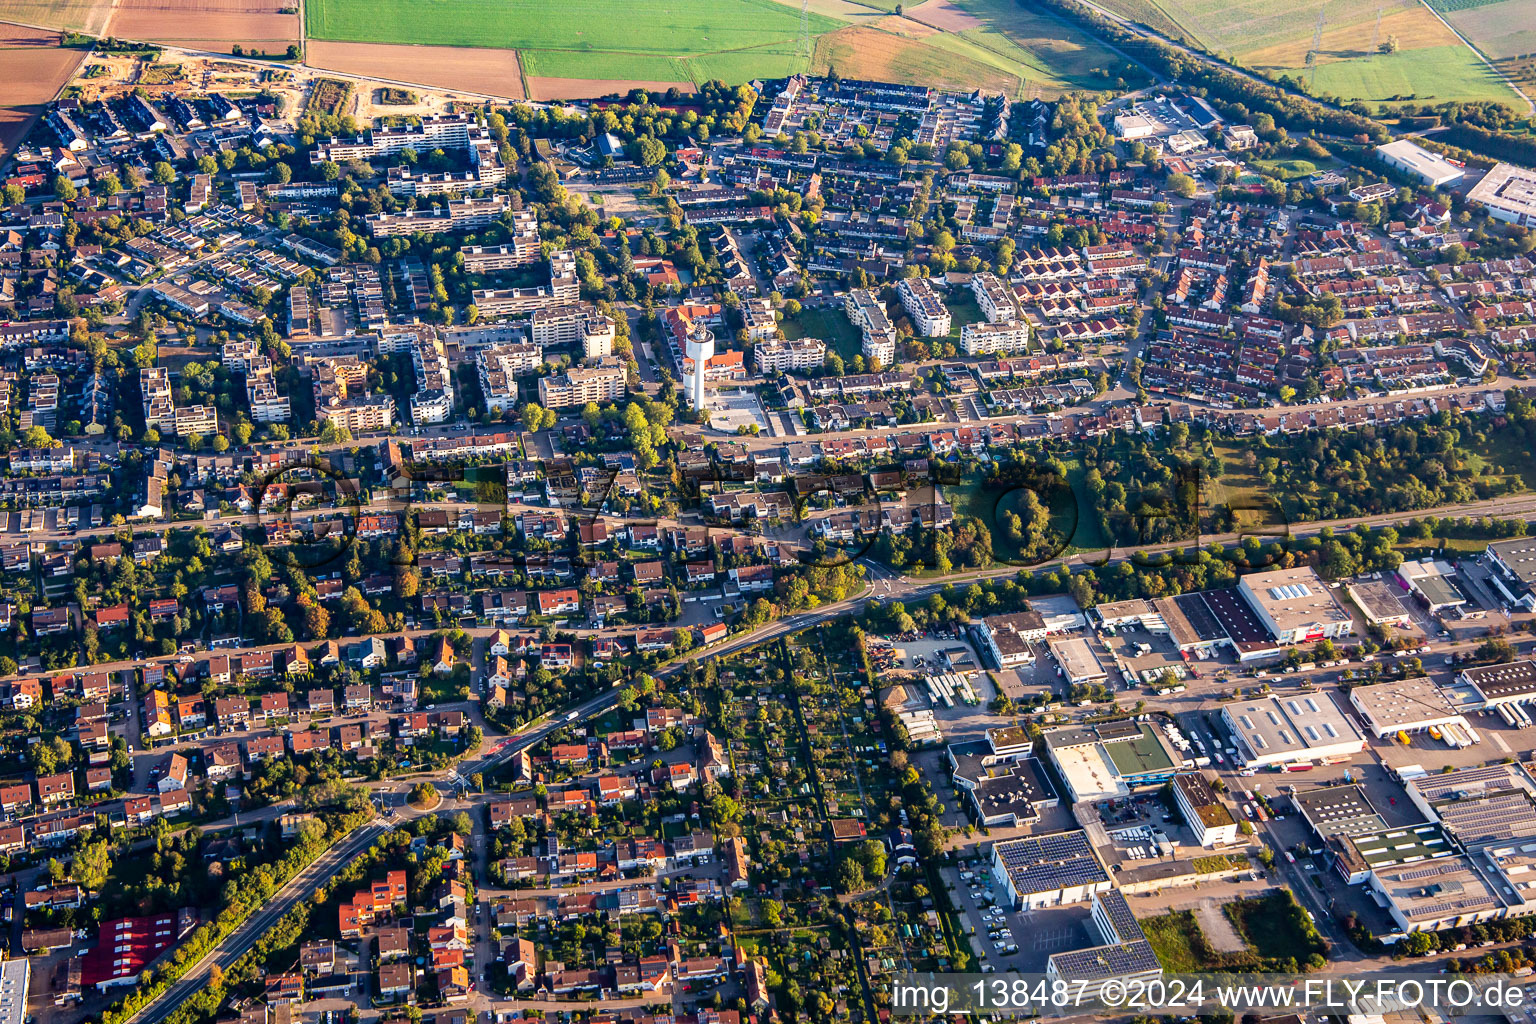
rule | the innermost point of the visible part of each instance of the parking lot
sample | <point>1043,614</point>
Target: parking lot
<point>992,930</point>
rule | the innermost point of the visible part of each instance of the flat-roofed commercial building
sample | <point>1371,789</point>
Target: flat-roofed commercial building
<point>1078,662</point>
<point>1308,727</point>
<point>1295,605</point>
<point>1379,604</point>
<point>15,980</point>
<point>1417,162</point>
<point>1433,583</point>
<point>1006,796</point>
<point>1123,953</point>
<point>1515,865</point>
<point>1007,637</point>
<point>1448,892</point>
<point>1514,570</point>
<point>1203,810</point>
<point>1048,871</point>
<point>1509,683</point>
<point>1509,194</point>
<point>1409,705</point>
<point>1138,753</point>
<point>1356,857</point>
<point>1478,805</point>
<point>1085,768</point>
<point>1338,811</point>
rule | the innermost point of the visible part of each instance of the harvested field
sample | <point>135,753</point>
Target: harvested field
<point>33,68</point>
<point>488,71</point>
<point>213,25</point>
<point>1414,27</point>
<point>590,88</point>
<point>81,15</point>
<point>1505,28</point>
<point>945,15</point>
<point>866,52</point>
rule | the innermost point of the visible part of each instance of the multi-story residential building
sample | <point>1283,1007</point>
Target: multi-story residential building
<point>564,324</point>
<point>268,405</point>
<point>499,365</point>
<point>159,410</point>
<point>432,401</point>
<point>867,313</point>
<point>522,251</point>
<point>605,382</point>
<point>993,297</point>
<point>459,215</point>
<point>784,356</point>
<point>371,412</point>
<point>980,339</point>
<point>924,307</point>
<point>196,419</point>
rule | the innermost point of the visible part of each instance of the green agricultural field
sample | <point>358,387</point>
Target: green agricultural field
<point>667,27</point>
<point>989,44</point>
<point>1438,73</point>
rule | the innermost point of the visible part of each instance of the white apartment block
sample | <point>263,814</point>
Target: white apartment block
<point>579,385</point>
<point>565,324</point>
<point>459,215</point>
<point>924,307</point>
<point>499,366</point>
<point>374,412</point>
<point>597,334</point>
<point>786,356</point>
<point>196,419</point>
<point>994,298</point>
<point>432,401</point>
<point>867,313</point>
<point>159,410</point>
<point>983,339</point>
<point>758,319</point>
<point>564,286</point>
<point>268,405</point>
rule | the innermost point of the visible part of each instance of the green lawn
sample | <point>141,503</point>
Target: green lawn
<point>830,325</point>
<point>1286,170</point>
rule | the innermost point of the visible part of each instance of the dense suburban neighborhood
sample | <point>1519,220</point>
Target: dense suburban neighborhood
<point>702,556</point>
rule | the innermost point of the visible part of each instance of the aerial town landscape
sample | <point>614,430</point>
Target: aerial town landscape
<point>705,511</point>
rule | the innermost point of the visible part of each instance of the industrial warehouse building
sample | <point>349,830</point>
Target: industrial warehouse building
<point>1406,706</point>
<point>1306,728</point>
<point>1514,570</point>
<point>1433,583</point>
<point>1123,952</point>
<point>1107,761</point>
<point>1295,605</point>
<point>1048,871</point>
<point>1510,683</point>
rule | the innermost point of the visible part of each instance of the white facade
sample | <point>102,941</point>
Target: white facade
<point>1009,337</point>
<point>924,307</point>
<point>700,350</point>
<point>993,297</point>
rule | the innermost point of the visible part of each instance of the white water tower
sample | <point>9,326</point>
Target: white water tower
<point>700,349</point>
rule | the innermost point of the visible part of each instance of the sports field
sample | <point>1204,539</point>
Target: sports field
<point>961,44</point>
<point>1429,63</point>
